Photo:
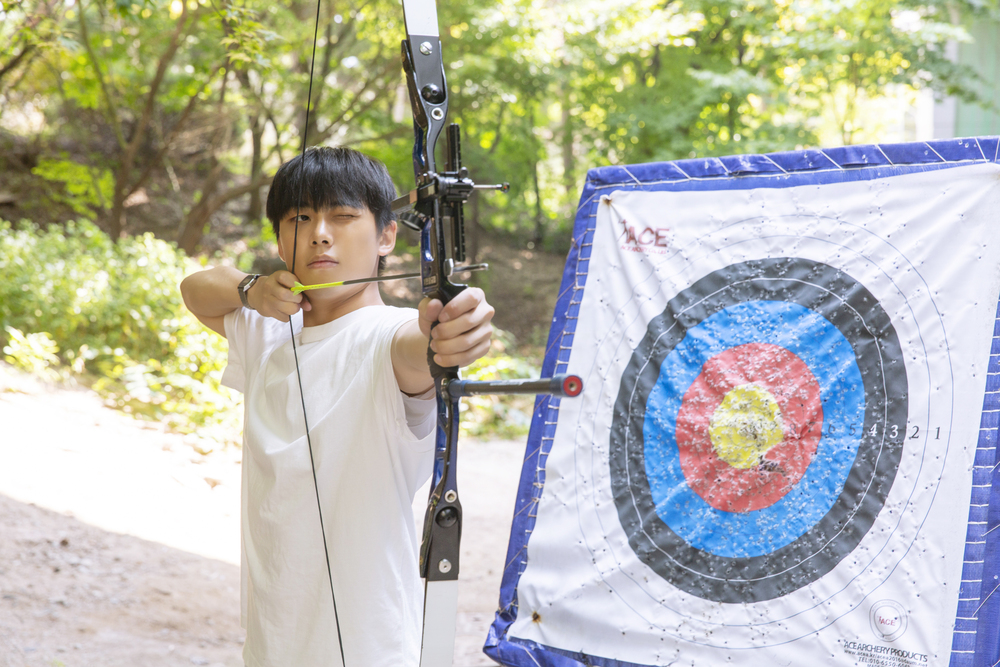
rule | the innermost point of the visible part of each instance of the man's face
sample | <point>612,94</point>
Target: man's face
<point>338,243</point>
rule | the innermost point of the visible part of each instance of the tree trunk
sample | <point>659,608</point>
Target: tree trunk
<point>197,219</point>
<point>539,214</point>
<point>569,167</point>
<point>255,209</point>
<point>116,221</point>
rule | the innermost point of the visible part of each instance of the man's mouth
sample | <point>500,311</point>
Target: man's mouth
<point>323,263</point>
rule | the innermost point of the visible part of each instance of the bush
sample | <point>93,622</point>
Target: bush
<point>72,302</point>
<point>499,416</point>
<point>113,311</point>
<point>34,353</point>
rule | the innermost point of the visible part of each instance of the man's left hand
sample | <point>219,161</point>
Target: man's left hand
<point>463,329</point>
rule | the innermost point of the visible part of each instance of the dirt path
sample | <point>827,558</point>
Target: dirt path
<point>121,544</point>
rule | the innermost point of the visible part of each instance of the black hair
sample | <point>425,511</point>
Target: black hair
<point>325,177</point>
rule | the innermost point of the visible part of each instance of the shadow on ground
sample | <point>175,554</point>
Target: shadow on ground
<point>76,595</point>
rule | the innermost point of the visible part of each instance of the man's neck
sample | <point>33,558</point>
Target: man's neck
<point>326,310</point>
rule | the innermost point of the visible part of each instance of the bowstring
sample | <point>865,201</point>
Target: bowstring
<point>295,352</point>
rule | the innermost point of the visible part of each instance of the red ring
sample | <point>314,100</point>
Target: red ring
<point>797,393</point>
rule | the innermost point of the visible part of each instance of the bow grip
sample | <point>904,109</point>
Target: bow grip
<point>444,293</point>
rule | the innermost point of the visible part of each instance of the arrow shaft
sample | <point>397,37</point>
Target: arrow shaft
<point>298,288</point>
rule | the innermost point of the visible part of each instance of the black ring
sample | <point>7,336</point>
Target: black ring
<point>857,314</point>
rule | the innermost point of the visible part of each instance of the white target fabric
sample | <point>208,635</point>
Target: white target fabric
<point>925,246</point>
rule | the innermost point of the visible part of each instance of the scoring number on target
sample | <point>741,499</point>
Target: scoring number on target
<point>893,431</point>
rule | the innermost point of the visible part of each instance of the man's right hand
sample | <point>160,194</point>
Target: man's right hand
<point>212,294</point>
<point>273,297</point>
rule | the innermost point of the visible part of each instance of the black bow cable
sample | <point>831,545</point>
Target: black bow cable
<point>295,352</point>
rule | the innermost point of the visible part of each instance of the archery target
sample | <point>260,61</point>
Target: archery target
<point>750,453</point>
<point>766,420</point>
<point>775,447</point>
<point>825,326</point>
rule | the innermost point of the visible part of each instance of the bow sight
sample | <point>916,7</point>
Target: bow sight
<point>435,209</point>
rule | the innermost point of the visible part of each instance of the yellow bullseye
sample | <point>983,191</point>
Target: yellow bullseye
<point>746,424</point>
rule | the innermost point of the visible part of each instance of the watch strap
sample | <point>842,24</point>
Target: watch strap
<point>245,286</point>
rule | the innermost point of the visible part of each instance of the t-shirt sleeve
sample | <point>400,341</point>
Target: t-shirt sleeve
<point>414,416</point>
<point>250,336</point>
<point>420,413</point>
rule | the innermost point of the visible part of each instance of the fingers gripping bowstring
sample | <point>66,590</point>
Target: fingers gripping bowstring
<point>291,328</point>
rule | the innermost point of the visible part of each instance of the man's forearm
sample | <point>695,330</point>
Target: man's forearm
<point>214,292</point>
<point>409,359</point>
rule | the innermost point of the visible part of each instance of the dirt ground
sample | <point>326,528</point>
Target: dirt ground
<point>120,544</point>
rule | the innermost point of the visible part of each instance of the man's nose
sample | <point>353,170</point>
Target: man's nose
<point>322,232</point>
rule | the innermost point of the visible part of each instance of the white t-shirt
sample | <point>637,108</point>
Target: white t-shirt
<point>370,460</point>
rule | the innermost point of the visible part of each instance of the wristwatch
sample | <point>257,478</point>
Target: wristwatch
<point>245,286</point>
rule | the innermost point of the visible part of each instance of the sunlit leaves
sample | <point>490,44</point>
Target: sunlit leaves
<point>544,89</point>
<point>85,189</point>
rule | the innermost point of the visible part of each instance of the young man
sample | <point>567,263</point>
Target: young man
<point>369,401</point>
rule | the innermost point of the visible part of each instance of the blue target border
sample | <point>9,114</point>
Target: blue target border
<point>977,624</point>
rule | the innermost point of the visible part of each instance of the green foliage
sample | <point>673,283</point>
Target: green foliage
<point>544,89</point>
<point>248,39</point>
<point>114,311</point>
<point>35,353</point>
<point>499,416</point>
<point>85,189</point>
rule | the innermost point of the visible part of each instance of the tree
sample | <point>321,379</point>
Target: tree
<point>141,95</point>
<point>26,29</point>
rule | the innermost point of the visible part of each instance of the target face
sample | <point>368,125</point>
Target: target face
<point>752,444</point>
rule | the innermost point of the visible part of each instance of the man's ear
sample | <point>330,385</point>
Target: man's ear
<point>387,239</point>
<point>281,251</point>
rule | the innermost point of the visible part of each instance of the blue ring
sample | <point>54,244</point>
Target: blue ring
<point>830,357</point>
